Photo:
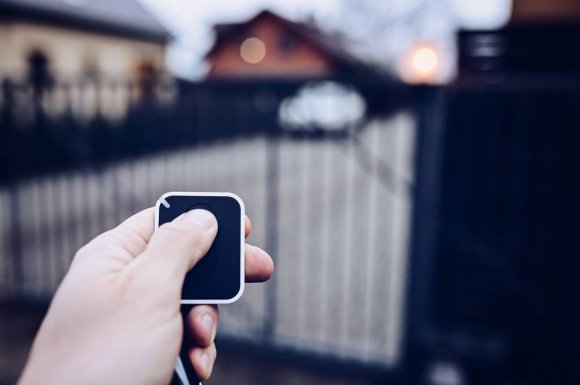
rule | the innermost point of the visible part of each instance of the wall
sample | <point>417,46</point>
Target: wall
<point>71,52</point>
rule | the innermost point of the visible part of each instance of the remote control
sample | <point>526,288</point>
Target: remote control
<point>219,276</point>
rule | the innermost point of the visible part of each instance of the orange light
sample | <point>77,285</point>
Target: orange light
<point>253,50</point>
<point>425,61</point>
<point>421,64</point>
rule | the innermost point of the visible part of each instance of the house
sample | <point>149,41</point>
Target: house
<point>270,46</point>
<point>75,39</point>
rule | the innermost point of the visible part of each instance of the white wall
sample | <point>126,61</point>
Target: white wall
<point>70,50</point>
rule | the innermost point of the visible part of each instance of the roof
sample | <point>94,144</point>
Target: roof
<point>331,45</point>
<point>119,17</point>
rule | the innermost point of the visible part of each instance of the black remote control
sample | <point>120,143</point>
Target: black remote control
<point>219,276</point>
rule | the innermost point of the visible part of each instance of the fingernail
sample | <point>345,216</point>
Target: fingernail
<point>207,321</point>
<point>200,217</point>
<point>205,359</point>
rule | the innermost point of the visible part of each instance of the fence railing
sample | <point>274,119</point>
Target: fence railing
<point>333,209</point>
<point>74,125</point>
<point>492,268</point>
<point>494,291</point>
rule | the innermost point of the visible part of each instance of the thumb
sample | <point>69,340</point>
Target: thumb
<point>178,245</point>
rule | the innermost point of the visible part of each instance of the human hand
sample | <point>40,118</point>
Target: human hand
<point>115,319</point>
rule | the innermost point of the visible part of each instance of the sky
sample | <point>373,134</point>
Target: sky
<point>191,23</point>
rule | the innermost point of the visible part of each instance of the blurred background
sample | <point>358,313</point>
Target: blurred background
<point>411,165</point>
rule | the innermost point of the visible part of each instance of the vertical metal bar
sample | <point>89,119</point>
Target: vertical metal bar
<point>324,315</point>
<point>99,175</point>
<point>428,147</point>
<point>40,230</point>
<point>61,227</point>
<point>131,190</point>
<point>346,280</point>
<point>16,265</point>
<point>68,208</point>
<point>43,265</point>
<point>272,200</point>
<point>398,256</point>
<point>27,261</point>
<point>83,208</point>
<point>50,230</point>
<point>244,321</point>
<point>4,243</point>
<point>303,233</point>
<point>183,164</point>
<point>367,306</point>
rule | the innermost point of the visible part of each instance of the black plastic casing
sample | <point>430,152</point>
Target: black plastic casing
<point>219,276</point>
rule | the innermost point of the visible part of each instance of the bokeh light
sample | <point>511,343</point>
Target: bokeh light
<point>422,64</point>
<point>253,50</point>
<point>425,61</point>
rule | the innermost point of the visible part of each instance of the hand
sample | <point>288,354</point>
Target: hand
<point>115,319</point>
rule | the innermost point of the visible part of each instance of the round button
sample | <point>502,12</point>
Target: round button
<point>201,206</point>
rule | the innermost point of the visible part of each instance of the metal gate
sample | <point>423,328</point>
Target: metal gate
<point>332,209</point>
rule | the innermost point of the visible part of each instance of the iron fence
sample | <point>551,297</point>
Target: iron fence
<point>332,206</point>
<point>494,290</point>
<point>488,173</point>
